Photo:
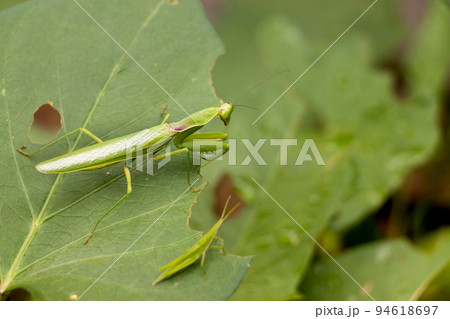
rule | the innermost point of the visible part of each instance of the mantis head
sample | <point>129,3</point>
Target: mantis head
<point>225,111</point>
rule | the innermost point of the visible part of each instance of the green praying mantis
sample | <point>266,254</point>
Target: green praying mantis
<point>145,142</point>
<point>200,248</point>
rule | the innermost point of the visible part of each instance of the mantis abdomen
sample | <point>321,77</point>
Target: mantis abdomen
<point>106,153</point>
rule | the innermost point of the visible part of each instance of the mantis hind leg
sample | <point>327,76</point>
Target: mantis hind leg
<point>218,247</point>
<point>81,129</point>
<point>129,190</point>
<point>202,264</point>
<point>221,248</point>
<point>202,261</point>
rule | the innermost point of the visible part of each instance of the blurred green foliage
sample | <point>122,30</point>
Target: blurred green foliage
<point>388,270</point>
<point>370,104</point>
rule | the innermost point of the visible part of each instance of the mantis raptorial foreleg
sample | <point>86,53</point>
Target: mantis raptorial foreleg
<point>162,156</point>
<point>129,190</point>
<point>203,143</point>
<point>81,129</point>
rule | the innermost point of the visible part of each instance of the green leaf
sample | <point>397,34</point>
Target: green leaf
<point>388,270</point>
<point>9,3</point>
<point>52,51</point>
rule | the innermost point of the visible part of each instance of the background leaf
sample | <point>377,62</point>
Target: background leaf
<point>52,51</point>
<point>389,270</point>
<point>368,133</point>
<point>368,142</point>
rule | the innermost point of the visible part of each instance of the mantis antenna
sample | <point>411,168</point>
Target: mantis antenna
<point>250,107</point>
<point>258,84</point>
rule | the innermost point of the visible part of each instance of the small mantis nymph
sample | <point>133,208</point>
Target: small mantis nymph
<point>150,141</point>
<point>190,255</point>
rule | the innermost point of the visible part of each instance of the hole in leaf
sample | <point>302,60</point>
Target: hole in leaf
<point>46,124</point>
<point>19,294</point>
<point>222,190</point>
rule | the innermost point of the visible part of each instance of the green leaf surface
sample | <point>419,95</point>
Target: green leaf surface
<point>52,51</point>
<point>388,270</point>
<point>9,3</point>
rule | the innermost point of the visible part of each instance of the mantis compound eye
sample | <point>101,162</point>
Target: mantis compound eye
<point>225,111</point>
